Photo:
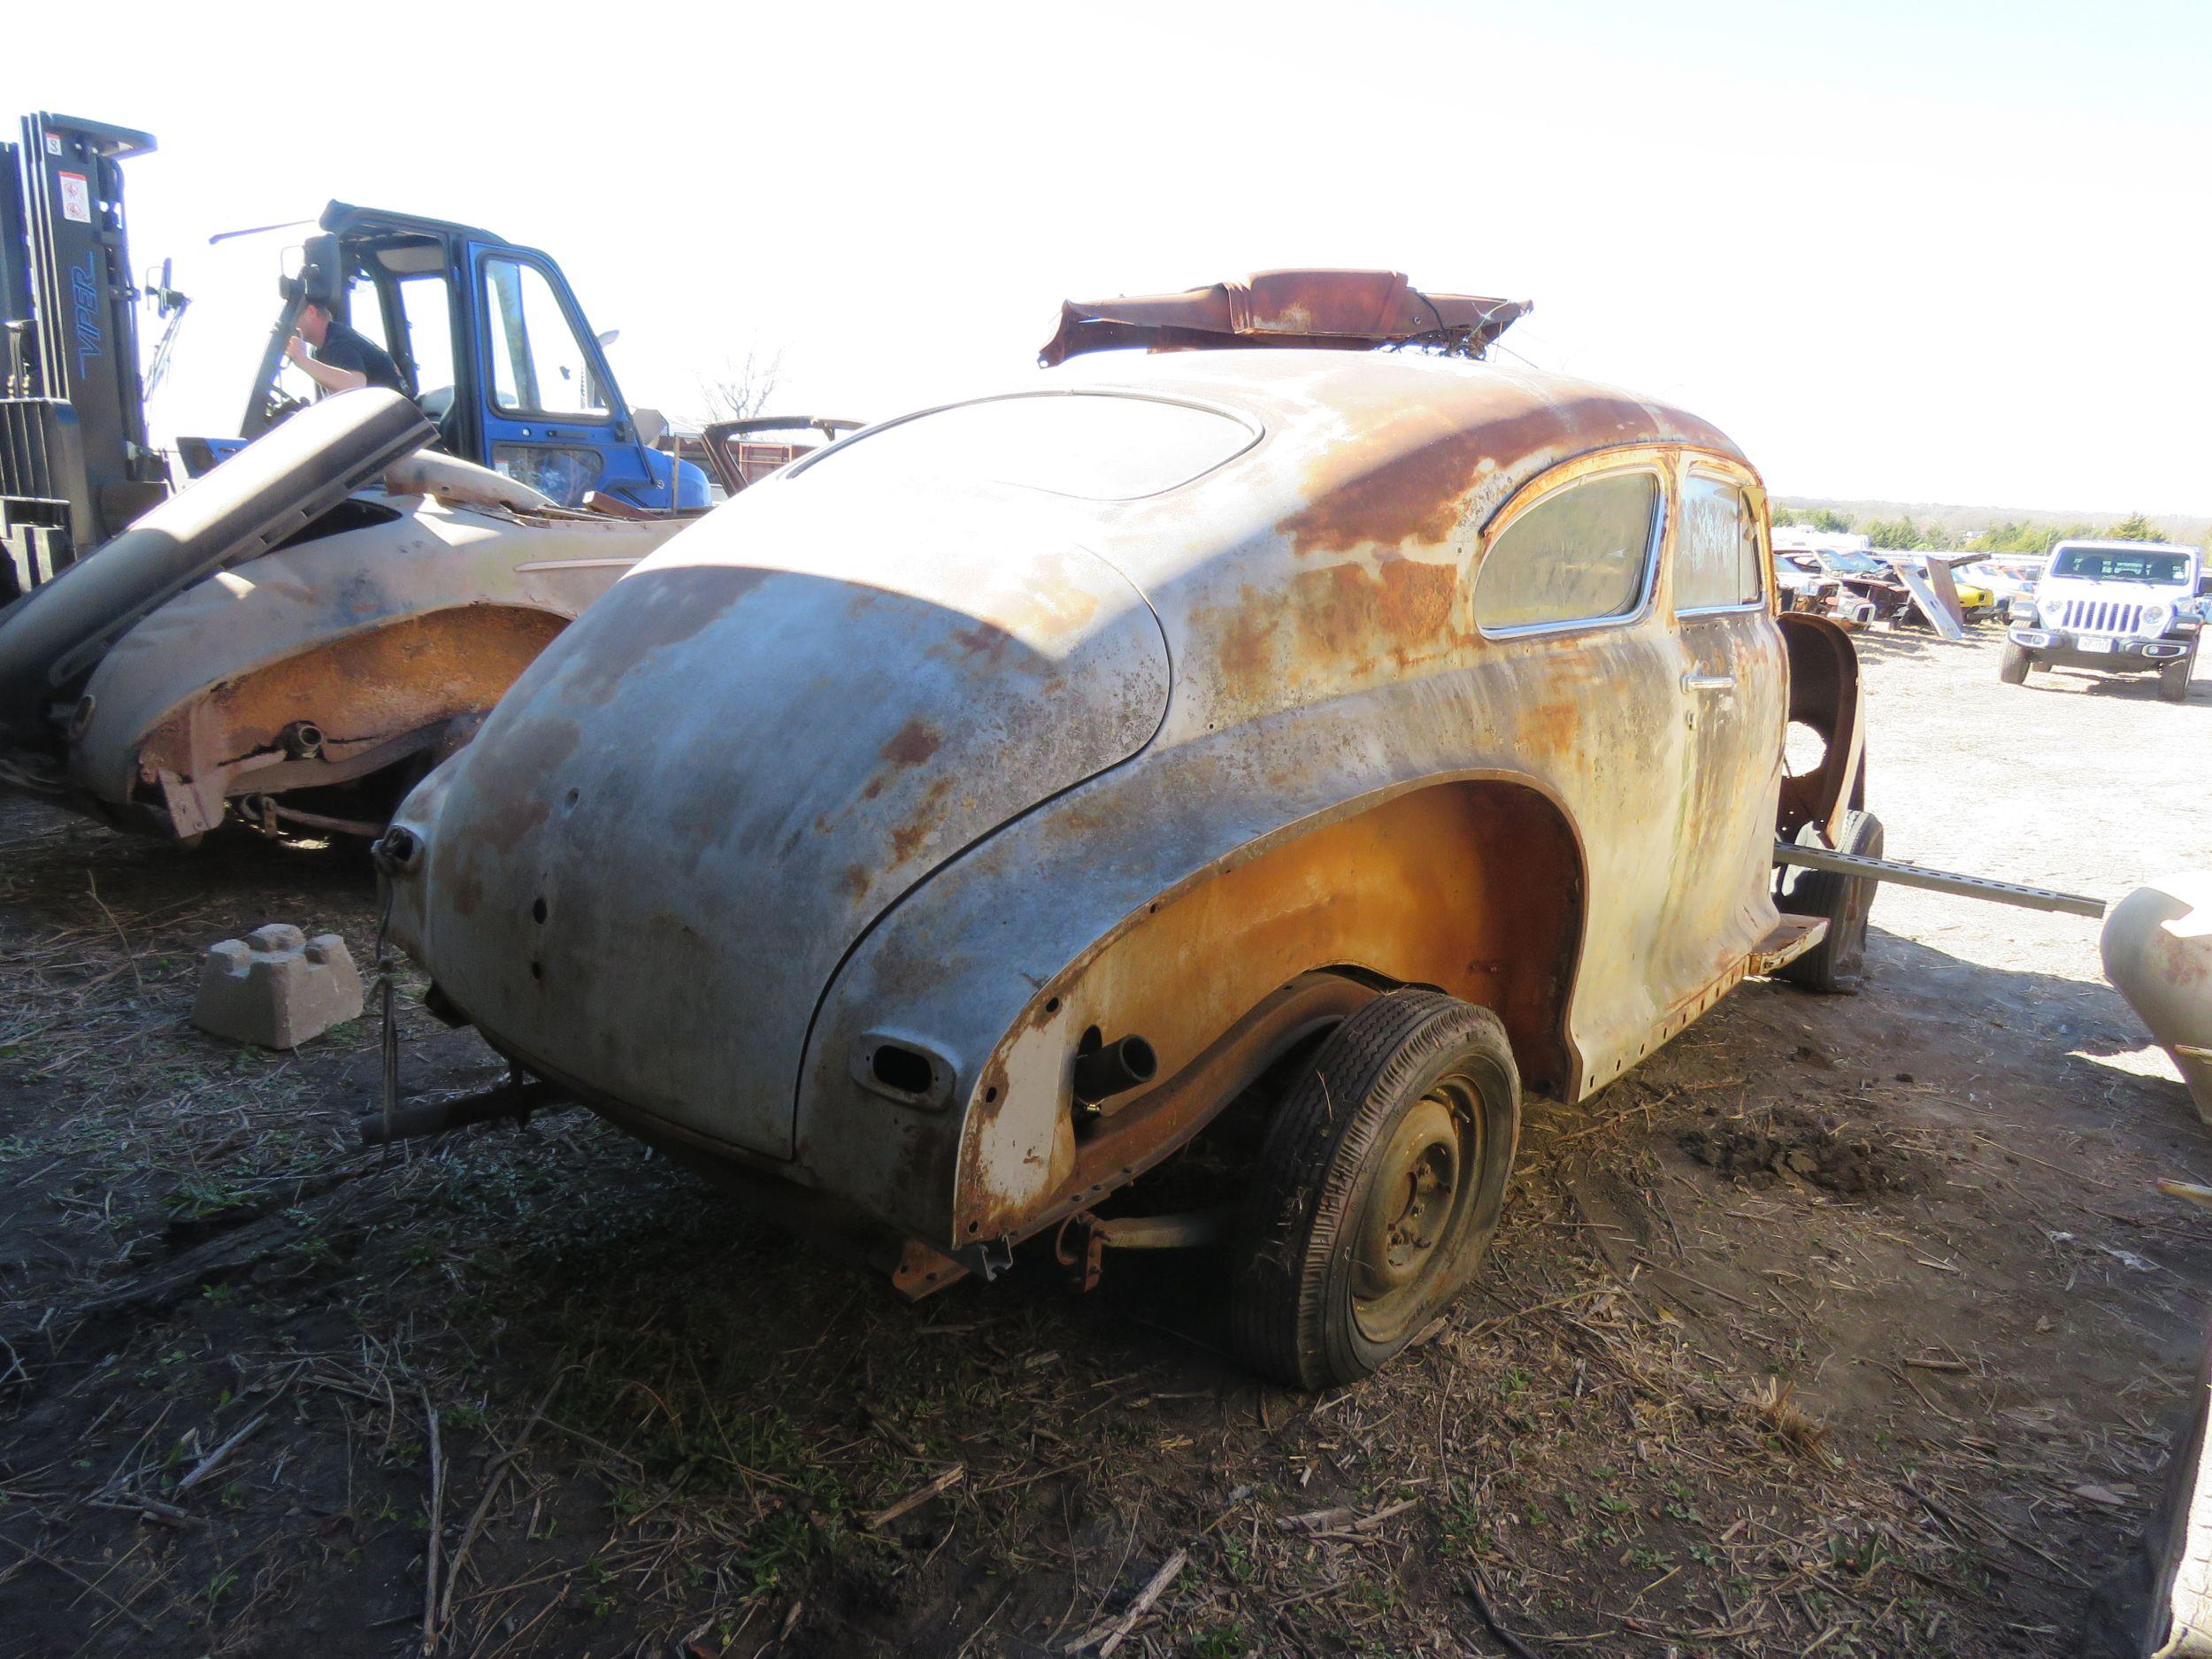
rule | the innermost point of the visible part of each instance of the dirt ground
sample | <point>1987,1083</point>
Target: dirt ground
<point>1848,1325</point>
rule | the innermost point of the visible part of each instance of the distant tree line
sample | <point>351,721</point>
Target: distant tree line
<point>1903,534</point>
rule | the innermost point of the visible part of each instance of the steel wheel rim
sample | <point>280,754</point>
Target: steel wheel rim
<point>1425,1179</point>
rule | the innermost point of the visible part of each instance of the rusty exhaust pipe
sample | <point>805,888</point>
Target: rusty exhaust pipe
<point>1113,1068</point>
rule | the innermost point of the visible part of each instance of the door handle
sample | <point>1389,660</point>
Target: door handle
<point>1708,682</point>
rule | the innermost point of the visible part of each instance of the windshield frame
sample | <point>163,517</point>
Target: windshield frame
<point>2186,575</point>
<point>1836,562</point>
<point>1255,428</point>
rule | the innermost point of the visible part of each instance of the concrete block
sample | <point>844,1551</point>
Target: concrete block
<point>276,987</point>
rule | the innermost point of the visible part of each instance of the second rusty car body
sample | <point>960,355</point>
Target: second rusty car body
<point>958,823</point>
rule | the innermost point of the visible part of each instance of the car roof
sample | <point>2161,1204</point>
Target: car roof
<point>1391,448</point>
<point>1548,412</point>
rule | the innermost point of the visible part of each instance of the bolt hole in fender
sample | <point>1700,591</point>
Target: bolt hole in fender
<point>1377,1188</point>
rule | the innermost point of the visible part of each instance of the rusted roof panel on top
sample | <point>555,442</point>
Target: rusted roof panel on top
<point>1348,310</point>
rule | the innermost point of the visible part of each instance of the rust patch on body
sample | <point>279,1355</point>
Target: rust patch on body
<point>913,744</point>
<point>1551,728</point>
<point>641,615</point>
<point>1246,643</point>
<point>516,770</point>
<point>1053,599</point>
<point>1344,619</point>
<point>907,838</point>
<point>986,639</point>
<point>1392,489</point>
<point>1416,496</point>
<point>468,892</point>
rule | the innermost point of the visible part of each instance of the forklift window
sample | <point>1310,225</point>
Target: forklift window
<point>364,309</point>
<point>538,364</point>
<point>427,304</point>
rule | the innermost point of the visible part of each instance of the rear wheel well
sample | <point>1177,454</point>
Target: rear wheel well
<point>401,676</point>
<point>1825,704</point>
<point>1526,939</point>
<point>1470,886</point>
<point>1474,886</point>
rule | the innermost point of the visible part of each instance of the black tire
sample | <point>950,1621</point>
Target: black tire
<point>1330,1280</point>
<point>1837,962</point>
<point>2173,682</point>
<point>2012,666</point>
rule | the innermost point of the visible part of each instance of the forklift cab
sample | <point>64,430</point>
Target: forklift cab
<point>491,344</point>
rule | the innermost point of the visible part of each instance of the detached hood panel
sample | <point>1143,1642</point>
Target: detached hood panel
<point>649,865</point>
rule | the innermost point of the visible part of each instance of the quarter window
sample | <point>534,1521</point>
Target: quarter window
<point>1717,548</point>
<point>538,364</point>
<point>1582,554</point>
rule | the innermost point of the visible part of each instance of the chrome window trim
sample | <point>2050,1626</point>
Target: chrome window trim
<point>1661,475</point>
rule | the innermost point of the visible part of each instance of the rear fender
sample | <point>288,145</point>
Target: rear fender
<point>1474,886</point>
<point>339,711</point>
<point>1826,697</point>
<point>375,634</point>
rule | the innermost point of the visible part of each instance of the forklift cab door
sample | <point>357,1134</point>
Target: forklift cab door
<point>551,416</point>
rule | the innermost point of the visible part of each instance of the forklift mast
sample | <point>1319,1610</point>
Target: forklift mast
<point>74,467</point>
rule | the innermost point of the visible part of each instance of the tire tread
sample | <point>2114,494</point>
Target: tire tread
<point>1298,1202</point>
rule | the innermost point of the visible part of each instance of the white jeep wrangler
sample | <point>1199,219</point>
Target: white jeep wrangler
<point>2122,607</point>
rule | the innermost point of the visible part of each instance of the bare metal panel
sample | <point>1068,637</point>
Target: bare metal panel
<point>763,737</point>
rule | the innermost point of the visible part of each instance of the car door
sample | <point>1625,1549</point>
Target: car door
<point>1578,645</point>
<point>1733,684</point>
<point>551,416</point>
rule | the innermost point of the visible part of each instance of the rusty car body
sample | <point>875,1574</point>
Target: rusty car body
<point>294,639</point>
<point>950,829</point>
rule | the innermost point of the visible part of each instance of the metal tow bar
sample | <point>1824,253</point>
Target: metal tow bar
<point>1937,880</point>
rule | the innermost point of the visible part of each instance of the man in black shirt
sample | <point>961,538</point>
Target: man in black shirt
<point>345,358</point>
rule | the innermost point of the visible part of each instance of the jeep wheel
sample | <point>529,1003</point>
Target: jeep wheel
<point>2173,682</point>
<point>1836,963</point>
<point>2012,666</point>
<point>1377,1190</point>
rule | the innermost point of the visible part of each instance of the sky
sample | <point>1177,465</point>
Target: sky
<point>1947,250</point>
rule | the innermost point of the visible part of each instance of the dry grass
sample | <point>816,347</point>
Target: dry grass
<point>660,1430</point>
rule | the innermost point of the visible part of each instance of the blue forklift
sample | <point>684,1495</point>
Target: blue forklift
<point>487,333</point>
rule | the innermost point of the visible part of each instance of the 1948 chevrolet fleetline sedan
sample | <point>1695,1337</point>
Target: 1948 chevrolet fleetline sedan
<point>949,830</point>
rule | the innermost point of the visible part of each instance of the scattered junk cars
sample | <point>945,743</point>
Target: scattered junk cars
<point>1287,754</point>
<point>2119,607</point>
<point>1862,587</point>
<point>294,637</point>
<point>736,454</point>
<point>2005,577</point>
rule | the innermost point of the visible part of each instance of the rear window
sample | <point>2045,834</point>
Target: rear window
<point>1096,446</point>
<point>1582,554</point>
<point>2113,564</point>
